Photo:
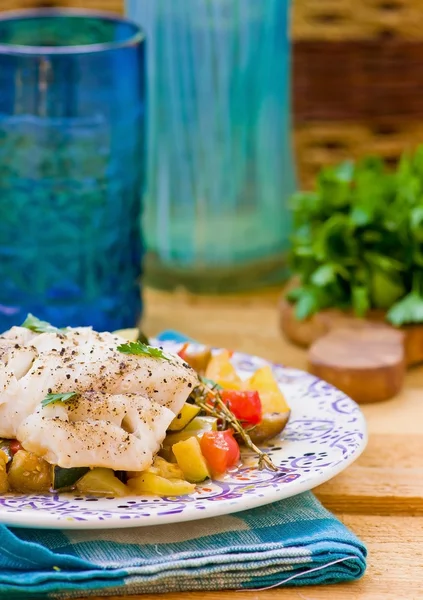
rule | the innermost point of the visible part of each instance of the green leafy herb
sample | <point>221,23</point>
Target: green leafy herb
<point>360,300</point>
<point>358,240</point>
<point>38,326</point>
<point>50,398</point>
<point>142,349</point>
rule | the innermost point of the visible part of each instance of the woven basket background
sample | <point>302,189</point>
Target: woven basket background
<point>358,76</point>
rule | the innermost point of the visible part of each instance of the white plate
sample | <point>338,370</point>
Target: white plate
<point>325,434</point>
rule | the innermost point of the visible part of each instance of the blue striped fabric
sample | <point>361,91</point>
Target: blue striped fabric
<point>292,542</point>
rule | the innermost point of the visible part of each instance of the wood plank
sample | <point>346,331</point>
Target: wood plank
<point>374,491</point>
<point>386,450</point>
<point>395,568</point>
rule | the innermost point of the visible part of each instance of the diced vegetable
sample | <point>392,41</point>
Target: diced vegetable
<point>220,449</point>
<point>128,334</point>
<point>101,482</point>
<point>4,483</point>
<point>5,447</point>
<point>196,356</point>
<point>10,447</point>
<point>264,382</point>
<point>202,422</point>
<point>29,473</point>
<point>270,426</point>
<point>191,460</point>
<point>67,478</point>
<point>221,370</point>
<point>165,469</point>
<point>15,446</point>
<point>132,335</point>
<point>187,414</point>
<point>166,453</point>
<point>245,405</point>
<point>197,428</point>
<point>150,483</point>
<point>121,475</point>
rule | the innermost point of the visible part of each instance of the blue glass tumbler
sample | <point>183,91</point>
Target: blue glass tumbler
<point>72,110</point>
<point>220,166</point>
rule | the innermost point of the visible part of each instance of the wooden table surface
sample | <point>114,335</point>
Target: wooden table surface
<point>380,497</point>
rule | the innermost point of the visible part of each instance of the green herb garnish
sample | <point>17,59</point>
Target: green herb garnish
<point>38,326</point>
<point>142,349</point>
<point>358,240</point>
<point>50,398</point>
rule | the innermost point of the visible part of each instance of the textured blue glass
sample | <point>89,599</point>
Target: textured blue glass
<point>220,167</point>
<point>72,104</point>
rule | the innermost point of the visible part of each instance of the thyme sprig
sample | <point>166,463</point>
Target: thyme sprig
<point>219,410</point>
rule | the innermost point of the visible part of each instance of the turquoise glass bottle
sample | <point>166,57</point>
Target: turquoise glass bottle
<point>220,166</point>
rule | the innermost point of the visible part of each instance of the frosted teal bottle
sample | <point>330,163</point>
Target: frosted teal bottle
<point>220,168</point>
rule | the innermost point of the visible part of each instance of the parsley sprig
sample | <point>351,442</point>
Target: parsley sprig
<point>141,349</point>
<point>50,398</point>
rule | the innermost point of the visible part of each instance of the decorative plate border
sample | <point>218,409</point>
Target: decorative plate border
<point>326,432</point>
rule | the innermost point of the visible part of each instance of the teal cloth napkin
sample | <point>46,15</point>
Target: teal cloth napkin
<point>291,542</point>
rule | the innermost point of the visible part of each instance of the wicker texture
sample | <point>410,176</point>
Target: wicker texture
<point>324,143</point>
<point>357,19</point>
<point>356,81</point>
<point>110,5</point>
<point>357,76</point>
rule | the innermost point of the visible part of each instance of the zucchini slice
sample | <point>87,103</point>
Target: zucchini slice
<point>202,422</point>
<point>67,478</point>
<point>101,482</point>
<point>196,428</point>
<point>187,414</point>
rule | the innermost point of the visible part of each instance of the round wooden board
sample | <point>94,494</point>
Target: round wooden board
<point>367,364</point>
<point>304,333</point>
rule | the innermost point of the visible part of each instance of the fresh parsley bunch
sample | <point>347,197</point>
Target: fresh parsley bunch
<point>358,240</point>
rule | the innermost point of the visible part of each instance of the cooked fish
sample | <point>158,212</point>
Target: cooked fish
<point>122,432</point>
<point>124,405</point>
<point>15,361</point>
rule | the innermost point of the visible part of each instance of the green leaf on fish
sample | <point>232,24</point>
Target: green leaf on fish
<point>141,349</point>
<point>38,326</point>
<point>50,398</point>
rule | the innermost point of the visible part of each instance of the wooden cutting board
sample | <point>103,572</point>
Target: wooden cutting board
<point>368,364</point>
<point>304,333</point>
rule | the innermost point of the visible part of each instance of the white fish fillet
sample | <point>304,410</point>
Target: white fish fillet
<point>122,432</point>
<point>125,405</point>
<point>15,361</point>
<point>19,335</point>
